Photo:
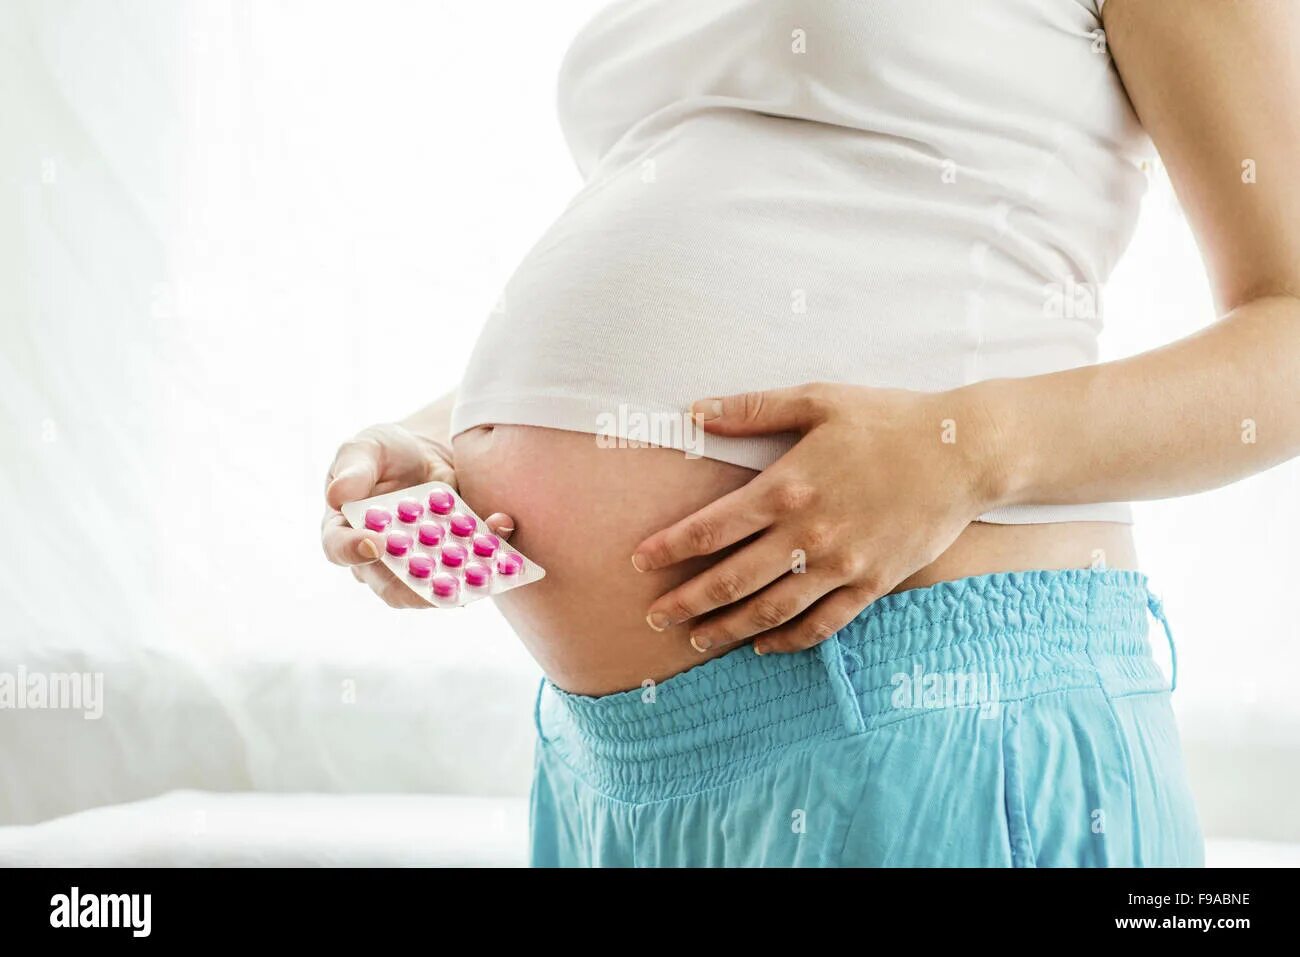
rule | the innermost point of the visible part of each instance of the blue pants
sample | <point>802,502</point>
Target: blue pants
<point>1013,720</point>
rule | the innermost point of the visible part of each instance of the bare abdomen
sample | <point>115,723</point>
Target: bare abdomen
<point>580,509</point>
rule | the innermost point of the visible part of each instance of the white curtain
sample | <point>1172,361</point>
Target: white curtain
<point>214,212</point>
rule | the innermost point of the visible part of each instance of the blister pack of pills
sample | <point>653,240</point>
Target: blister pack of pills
<point>439,548</point>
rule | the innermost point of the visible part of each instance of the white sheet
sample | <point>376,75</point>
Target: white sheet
<point>191,829</point>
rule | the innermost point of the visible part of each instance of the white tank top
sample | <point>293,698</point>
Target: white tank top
<point>909,193</point>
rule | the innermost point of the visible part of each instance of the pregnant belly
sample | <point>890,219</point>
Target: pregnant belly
<point>580,509</point>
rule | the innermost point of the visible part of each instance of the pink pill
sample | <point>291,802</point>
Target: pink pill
<point>420,566</point>
<point>477,575</point>
<point>485,546</point>
<point>441,502</point>
<point>399,543</point>
<point>453,555</point>
<point>408,510</point>
<point>444,586</point>
<point>430,533</point>
<point>462,526</point>
<point>509,564</point>
<point>377,519</point>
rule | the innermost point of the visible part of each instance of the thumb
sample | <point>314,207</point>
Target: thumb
<point>795,409</point>
<point>354,475</point>
<point>501,525</point>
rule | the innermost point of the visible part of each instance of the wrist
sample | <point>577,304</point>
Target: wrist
<point>419,425</point>
<point>432,426</point>
<point>998,463</point>
<point>416,445</point>
<point>438,450</point>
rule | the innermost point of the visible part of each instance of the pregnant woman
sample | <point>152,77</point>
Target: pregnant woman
<point>874,600</point>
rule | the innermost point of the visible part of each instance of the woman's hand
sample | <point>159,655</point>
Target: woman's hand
<point>381,459</point>
<point>880,484</point>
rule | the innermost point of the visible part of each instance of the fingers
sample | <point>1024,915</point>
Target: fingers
<point>727,582</point>
<point>386,585</point>
<point>382,459</point>
<point>345,545</point>
<point>770,608</point>
<point>442,471</point>
<point>355,471</point>
<point>501,525</point>
<point>796,409</point>
<point>818,623</point>
<point>724,522</point>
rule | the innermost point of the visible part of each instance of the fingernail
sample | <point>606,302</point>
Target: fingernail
<point>700,643</point>
<point>639,563</point>
<point>368,550</point>
<point>758,650</point>
<point>657,620</point>
<point>706,409</point>
<point>506,531</point>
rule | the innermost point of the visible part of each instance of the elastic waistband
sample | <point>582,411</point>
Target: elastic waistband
<point>976,642</point>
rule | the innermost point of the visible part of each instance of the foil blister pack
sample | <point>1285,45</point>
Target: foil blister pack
<point>435,545</point>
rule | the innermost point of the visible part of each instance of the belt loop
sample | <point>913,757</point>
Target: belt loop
<point>1157,609</point>
<point>832,657</point>
<point>537,709</point>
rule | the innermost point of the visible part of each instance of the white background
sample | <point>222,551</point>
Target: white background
<point>218,222</point>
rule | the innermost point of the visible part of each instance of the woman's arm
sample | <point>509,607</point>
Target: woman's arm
<point>882,481</point>
<point>1217,85</point>
<point>1194,415</point>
